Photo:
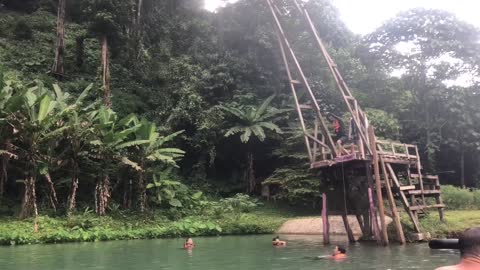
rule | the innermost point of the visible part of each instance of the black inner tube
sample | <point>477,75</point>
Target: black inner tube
<point>444,244</point>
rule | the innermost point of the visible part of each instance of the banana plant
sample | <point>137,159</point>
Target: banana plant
<point>113,136</point>
<point>78,119</point>
<point>152,152</point>
<point>34,115</point>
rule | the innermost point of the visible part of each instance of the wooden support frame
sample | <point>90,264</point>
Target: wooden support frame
<point>393,206</point>
<point>340,82</point>
<point>381,210</point>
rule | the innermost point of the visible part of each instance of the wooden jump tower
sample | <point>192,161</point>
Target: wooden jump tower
<point>391,167</point>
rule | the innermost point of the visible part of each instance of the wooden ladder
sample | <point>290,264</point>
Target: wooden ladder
<point>416,188</point>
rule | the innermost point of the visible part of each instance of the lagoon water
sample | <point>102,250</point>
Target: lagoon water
<point>222,253</point>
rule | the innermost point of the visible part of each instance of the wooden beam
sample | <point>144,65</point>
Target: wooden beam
<point>373,213</point>
<point>393,206</point>
<point>426,192</point>
<point>348,229</point>
<point>376,169</point>
<point>326,226</point>
<point>420,207</point>
<point>412,187</point>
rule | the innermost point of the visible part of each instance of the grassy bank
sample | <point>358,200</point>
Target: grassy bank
<point>89,227</point>
<point>456,221</point>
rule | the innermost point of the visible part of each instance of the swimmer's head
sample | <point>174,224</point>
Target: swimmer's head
<point>469,242</point>
<point>339,250</point>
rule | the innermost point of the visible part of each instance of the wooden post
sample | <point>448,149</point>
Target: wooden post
<point>347,228</point>
<point>326,226</point>
<point>378,184</point>
<point>393,206</point>
<point>373,212</point>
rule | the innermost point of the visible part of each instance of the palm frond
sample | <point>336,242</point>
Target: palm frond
<point>245,137</point>
<point>263,108</point>
<point>270,126</point>
<point>234,130</point>
<point>259,132</point>
<point>234,111</point>
<point>84,94</point>
<point>131,143</point>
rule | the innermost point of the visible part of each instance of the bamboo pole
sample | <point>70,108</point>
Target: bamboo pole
<point>378,184</point>
<point>323,126</point>
<point>295,97</point>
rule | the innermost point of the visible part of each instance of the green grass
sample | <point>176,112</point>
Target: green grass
<point>456,221</point>
<point>89,227</point>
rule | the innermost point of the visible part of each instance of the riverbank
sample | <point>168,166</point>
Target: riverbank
<point>88,227</point>
<point>456,221</point>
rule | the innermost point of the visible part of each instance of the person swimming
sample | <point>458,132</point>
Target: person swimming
<point>277,242</point>
<point>188,244</point>
<point>469,245</point>
<point>339,253</point>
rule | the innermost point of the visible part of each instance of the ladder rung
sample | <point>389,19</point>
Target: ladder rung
<point>428,177</point>
<point>425,192</point>
<point>305,106</point>
<point>295,82</point>
<point>407,188</point>
<point>420,207</point>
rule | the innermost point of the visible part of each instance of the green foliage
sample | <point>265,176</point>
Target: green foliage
<point>386,126</point>
<point>253,120</point>
<point>87,227</point>
<point>295,185</point>
<point>22,30</point>
<point>458,198</point>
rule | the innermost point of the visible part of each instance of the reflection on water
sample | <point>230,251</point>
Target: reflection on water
<point>229,252</point>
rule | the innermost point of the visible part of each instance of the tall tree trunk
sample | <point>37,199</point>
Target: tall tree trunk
<point>29,201</point>
<point>462,167</point>
<point>4,176</point>
<point>127,194</point>
<point>58,63</point>
<point>102,194</point>
<point>105,73</point>
<point>142,188</point>
<point>250,173</point>
<point>72,199</point>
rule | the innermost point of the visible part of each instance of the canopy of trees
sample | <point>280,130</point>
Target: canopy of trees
<point>169,75</point>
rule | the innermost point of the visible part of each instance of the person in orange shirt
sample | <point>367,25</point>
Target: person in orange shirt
<point>469,244</point>
<point>339,253</point>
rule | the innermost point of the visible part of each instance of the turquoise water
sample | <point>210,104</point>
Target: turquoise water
<point>229,252</point>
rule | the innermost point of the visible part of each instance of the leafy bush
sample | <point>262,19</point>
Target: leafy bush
<point>476,198</point>
<point>240,202</point>
<point>23,31</point>
<point>457,198</point>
